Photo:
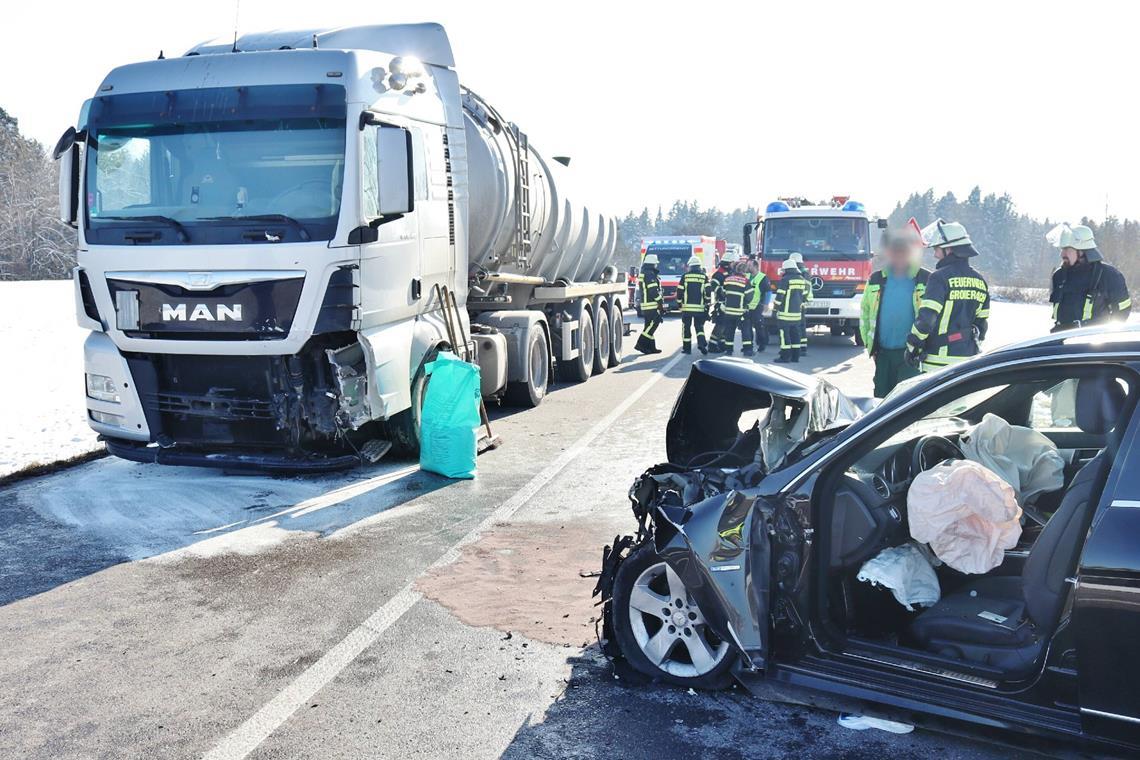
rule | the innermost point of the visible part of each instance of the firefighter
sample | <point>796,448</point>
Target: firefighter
<point>799,259</point>
<point>694,297</point>
<point>955,309</point>
<point>1086,288</point>
<point>891,301</point>
<point>651,304</point>
<point>760,296</point>
<point>788,310</point>
<point>732,308</point>
<point>716,296</point>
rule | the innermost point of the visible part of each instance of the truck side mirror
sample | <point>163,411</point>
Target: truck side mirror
<point>882,223</point>
<point>66,151</point>
<point>394,167</point>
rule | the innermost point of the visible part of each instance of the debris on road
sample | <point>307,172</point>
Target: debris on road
<point>863,722</point>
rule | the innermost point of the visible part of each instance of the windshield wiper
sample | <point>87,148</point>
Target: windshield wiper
<point>296,225</point>
<point>177,225</point>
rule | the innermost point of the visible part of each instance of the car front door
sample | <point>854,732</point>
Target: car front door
<point>1106,611</point>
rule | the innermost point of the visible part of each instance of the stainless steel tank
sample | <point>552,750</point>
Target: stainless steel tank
<point>568,241</point>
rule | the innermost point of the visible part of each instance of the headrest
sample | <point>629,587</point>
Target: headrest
<point>1100,402</point>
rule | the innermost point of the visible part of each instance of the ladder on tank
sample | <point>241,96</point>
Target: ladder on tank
<point>523,242</point>
<point>463,349</point>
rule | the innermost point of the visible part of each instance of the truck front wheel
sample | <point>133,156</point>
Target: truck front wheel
<point>404,427</point>
<point>530,392</point>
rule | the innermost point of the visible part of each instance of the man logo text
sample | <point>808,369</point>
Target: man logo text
<point>201,312</point>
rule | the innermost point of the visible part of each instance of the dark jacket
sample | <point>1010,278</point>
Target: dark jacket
<point>1089,292</point>
<point>954,314</point>
<point>649,287</point>
<point>792,294</point>
<point>693,292</point>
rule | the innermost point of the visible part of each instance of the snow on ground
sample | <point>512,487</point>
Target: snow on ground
<point>42,411</point>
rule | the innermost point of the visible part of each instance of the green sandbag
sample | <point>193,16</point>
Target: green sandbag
<point>448,435</point>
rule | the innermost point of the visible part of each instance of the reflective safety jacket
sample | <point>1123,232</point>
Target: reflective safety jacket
<point>761,291</point>
<point>873,300</point>
<point>793,292</point>
<point>649,290</point>
<point>1088,293</point>
<point>693,291</point>
<point>953,315</point>
<point>736,294</point>
<point>716,285</point>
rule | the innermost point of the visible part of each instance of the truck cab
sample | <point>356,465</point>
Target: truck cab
<point>673,254</point>
<point>835,241</point>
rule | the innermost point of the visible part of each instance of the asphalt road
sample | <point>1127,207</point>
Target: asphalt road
<point>165,612</point>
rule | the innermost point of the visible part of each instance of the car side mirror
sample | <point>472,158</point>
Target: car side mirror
<point>66,151</point>
<point>394,167</point>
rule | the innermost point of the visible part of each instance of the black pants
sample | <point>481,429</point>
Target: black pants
<point>690,320</point>
<point>759,328</point>
<point>791,336</point>
<point>652,320</point>
<point>724,334</point>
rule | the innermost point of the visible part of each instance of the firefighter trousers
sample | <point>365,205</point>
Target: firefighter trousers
<point>759,328</point>
<point>724,333</point>
<point>791,337</point>
<point>691,320</point>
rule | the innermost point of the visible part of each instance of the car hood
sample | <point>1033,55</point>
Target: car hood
<point>718,392</point>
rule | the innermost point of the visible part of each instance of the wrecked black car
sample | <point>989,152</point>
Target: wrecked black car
<point>761,543</point>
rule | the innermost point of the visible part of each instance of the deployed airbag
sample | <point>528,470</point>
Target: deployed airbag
<point>966,512</point>
<point>1024,458</point>
<point>907,572</point>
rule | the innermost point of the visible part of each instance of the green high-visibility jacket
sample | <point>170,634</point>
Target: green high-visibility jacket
<point>873,300</point>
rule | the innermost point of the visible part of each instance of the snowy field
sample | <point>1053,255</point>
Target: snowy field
<point>41,390</point>
<point>42,412</point>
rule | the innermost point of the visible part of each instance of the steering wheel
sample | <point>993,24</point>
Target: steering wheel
<point>929,447</point>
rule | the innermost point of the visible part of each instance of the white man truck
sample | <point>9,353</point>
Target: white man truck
<point>276,234</point>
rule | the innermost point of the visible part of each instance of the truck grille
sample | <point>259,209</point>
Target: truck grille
<point>216,405</point>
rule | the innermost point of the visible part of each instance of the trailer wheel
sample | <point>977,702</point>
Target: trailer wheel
<point>580,368</point>
<point>602,338</point>
<point>530,392</point>
<point>617,330</point>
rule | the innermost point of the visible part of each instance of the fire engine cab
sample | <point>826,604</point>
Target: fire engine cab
<point>835,241</point>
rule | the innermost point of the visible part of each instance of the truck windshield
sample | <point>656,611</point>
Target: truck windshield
<point>816,238</point>
<point>270,170</point>
<point>671,260</point>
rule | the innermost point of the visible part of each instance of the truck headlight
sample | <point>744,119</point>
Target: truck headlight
<point>102,388</point>
<point>115,420</point>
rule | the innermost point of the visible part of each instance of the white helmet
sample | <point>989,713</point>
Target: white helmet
<point>940,234</point>
<point>730,258</point>
<point>1064,236</point>
<point>796,257</point>
<point>694,261</point>
<point>650,258</point>
<point>789,264</point>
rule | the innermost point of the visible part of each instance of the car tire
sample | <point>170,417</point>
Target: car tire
<point>580,368</point>
<point>530,392</point>
<point>633,637</point>
<point>602,338</point>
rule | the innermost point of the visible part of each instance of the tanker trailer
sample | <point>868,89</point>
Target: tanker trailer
<point>277,234</point>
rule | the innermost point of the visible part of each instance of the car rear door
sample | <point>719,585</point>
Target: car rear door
<point>1106,612</point>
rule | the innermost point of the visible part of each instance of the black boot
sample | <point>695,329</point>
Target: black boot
<point>784,357</point>
<point>746,352</point>
<point>702,347</point>
<point>796,355</point>
<point>645,345</point>
<point>686,350</point>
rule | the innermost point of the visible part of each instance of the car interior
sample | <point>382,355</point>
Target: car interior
<point>997,625</point>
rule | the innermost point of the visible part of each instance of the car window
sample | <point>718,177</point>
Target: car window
<point>1055,408</point>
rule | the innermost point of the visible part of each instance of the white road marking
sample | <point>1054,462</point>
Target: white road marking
<point>257,728</point>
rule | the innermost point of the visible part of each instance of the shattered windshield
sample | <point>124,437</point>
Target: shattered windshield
<point>203,166</point>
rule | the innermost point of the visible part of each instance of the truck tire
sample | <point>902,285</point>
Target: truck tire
<point>530,392</point>
<point>579,369</point>
<point>617,330</point>
<point>837,331</point>
<point>404,427</point>
<point>602,337</point>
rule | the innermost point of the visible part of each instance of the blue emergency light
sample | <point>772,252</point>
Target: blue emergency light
<point>776,207</point>
<point>853,206</point>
